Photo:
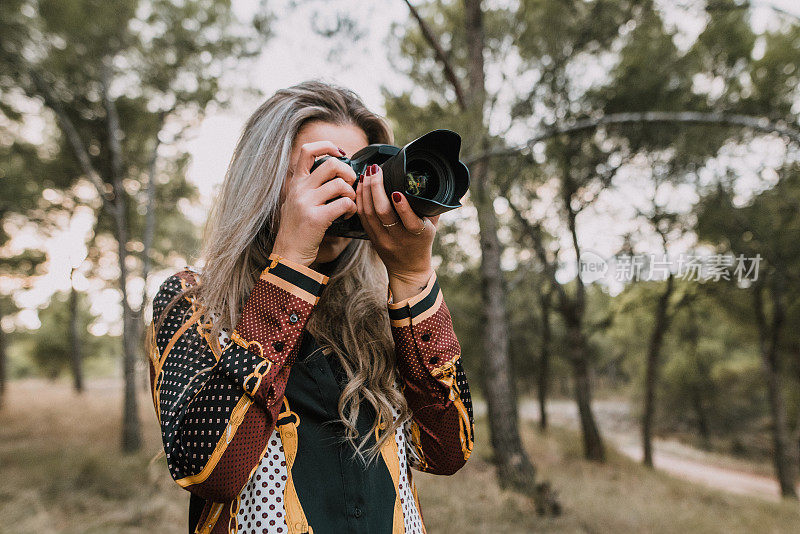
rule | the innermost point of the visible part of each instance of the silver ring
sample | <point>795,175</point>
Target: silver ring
<point>388,225</point>
<point>424,225</point>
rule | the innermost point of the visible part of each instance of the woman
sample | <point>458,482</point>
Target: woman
<point>292,395</point>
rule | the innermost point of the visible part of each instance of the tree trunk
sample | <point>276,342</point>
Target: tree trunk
<point>147,245</point>
<point>593,447</point>
<point>697,393</point>
<point>780,435</point>
<point>3,371</point>
<point>795,356</point>
<point>131,428</point>
<point>702,417</point>
<point>651,372</point>
<point>514,467</point>
<point>543,378</point>
<point>76,356</point>
<point>769,335</point>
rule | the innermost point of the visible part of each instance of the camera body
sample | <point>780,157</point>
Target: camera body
<point>427,171</point>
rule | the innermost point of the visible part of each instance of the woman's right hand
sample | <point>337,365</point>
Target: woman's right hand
<point>306,213</point>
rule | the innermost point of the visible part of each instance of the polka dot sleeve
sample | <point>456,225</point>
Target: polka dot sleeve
<point>217,411</point>
<point>433,381</point>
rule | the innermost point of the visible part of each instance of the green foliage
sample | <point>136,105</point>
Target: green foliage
<point>50,346</point>
<point>653,75</point>
<point>157,65</point>
<point>710,372</point>
<point>766,226</point>
<point>724,47</point>
<point>160,60</point>
<point>556,41</point>
<point>553,33</point>
<point>775,78</point>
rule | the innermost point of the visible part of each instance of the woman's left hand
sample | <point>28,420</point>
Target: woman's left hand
<point>401,238</point>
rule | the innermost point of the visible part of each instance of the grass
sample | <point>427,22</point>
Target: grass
<point>62,472</point>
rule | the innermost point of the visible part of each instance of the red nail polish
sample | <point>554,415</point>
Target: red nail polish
<point>376,169</point>
<point>366,171</point>
<point>342,152</point>
<point>396,197</point>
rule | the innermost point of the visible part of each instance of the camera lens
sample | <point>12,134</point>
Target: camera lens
<point>421,181</point>
<point>428,176</point>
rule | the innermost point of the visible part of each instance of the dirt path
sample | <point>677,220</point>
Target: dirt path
<point>678,459</point>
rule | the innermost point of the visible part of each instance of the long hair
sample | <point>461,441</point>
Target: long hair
<point>351,317</point>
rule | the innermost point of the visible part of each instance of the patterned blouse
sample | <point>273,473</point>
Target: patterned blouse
<point>251,431</point>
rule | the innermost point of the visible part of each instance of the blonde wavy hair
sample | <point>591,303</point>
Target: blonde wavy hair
<point>351,318</point>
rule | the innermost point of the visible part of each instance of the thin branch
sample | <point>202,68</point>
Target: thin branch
<point>73,138</point>
<point>441,55</point>
<point>114,131</point>
<point>119,203</point>
<point>572,224</point>
<point>760,124</point>
<point>150,219</point>
<point>534,232</point>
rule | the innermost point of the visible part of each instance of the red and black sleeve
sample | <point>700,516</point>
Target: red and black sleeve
<point>433,382</point>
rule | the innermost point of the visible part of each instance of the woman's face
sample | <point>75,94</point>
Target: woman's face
<point>349,138</point>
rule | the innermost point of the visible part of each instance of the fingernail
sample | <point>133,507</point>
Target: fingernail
<point>397,197</point>
<point>377,168</point>
<point>366,171</point>
<point>342,152</point>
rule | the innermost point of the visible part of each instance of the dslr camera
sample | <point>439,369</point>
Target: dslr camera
<point>427,170</point>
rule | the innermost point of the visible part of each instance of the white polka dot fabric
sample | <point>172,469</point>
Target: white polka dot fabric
<point>411,516</point>
<point>261,507</point>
